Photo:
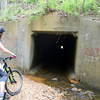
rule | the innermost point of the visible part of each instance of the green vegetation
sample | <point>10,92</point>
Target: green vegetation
<point>23,8</point>
<point>75,6</point>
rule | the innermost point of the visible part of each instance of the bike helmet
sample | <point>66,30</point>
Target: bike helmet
<point>2,30</point>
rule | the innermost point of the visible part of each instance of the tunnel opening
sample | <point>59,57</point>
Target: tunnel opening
<point>54,52</point>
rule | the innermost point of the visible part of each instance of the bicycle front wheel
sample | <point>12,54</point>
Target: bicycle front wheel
<point>14,82</point>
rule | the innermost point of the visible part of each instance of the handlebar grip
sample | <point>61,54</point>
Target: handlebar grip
<point>12,57</point>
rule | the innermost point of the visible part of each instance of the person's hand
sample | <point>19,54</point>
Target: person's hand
<point>13,56</point>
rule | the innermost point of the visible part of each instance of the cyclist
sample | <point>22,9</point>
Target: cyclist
<point>3,75</point>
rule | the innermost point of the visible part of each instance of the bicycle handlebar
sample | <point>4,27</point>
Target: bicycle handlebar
<point>7,58</point>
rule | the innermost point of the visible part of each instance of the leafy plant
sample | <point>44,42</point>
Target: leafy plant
<point>39,7</point>
<point>74,6</point>
<point>29,1</point>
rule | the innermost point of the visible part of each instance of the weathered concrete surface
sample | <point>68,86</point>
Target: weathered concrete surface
<point>88,58</point>
<point>17,38</point>
<point>87,67</point>
<point>53,22</point>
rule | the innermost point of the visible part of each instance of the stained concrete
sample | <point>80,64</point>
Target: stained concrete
<point>18,38</point>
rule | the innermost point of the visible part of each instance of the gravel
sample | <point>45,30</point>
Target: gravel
<point>33,90</point>
<point>36,91</point>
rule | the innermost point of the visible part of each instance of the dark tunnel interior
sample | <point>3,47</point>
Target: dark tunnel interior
<point>54,52</point>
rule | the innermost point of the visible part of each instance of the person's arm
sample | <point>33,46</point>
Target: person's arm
<point>6,50</point>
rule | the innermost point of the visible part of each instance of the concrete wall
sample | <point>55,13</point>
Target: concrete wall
<point>87,67</point>
<point>17,38</point>
<point>88,58</point>
<point>53,22</point>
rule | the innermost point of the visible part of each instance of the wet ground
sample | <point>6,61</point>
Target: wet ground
<point>52,86</point>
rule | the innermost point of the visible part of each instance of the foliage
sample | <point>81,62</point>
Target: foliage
<point>74,6</point>
<point>10,12</point>
<point>29,1</point>
<point>39,7</point>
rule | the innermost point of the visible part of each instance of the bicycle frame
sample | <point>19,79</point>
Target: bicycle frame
<point>11,77</point>
<point>8,70</point>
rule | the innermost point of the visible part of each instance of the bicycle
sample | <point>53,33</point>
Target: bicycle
<point>14,82</point>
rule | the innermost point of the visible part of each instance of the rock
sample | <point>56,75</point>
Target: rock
<point>54,79</point>
<point>74,89</point>
<point>73,81</point>
<point>72,78</point>
<point>71,75</point>
<point>79,89</point>
<point>90,94</point>
<point>73,85</point>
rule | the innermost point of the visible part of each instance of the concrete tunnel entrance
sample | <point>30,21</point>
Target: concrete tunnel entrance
<point>54,52</point>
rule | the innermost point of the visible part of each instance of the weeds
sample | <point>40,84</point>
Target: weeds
<point>38,7</point>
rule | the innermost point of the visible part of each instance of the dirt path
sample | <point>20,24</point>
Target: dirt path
<point>36,91</point>
<point>39,88</point>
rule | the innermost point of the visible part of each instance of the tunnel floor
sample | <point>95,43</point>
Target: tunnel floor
<point>54,52</point>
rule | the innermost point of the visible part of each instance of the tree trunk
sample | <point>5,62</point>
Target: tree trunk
<point>83,6</point>
<point>3,4</point>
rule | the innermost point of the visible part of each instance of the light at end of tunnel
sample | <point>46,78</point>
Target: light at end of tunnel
<point>62,47</point>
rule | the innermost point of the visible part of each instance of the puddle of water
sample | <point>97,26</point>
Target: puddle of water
<point>51,79</point>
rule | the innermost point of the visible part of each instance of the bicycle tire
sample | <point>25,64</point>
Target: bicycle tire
<point>8,89</point>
